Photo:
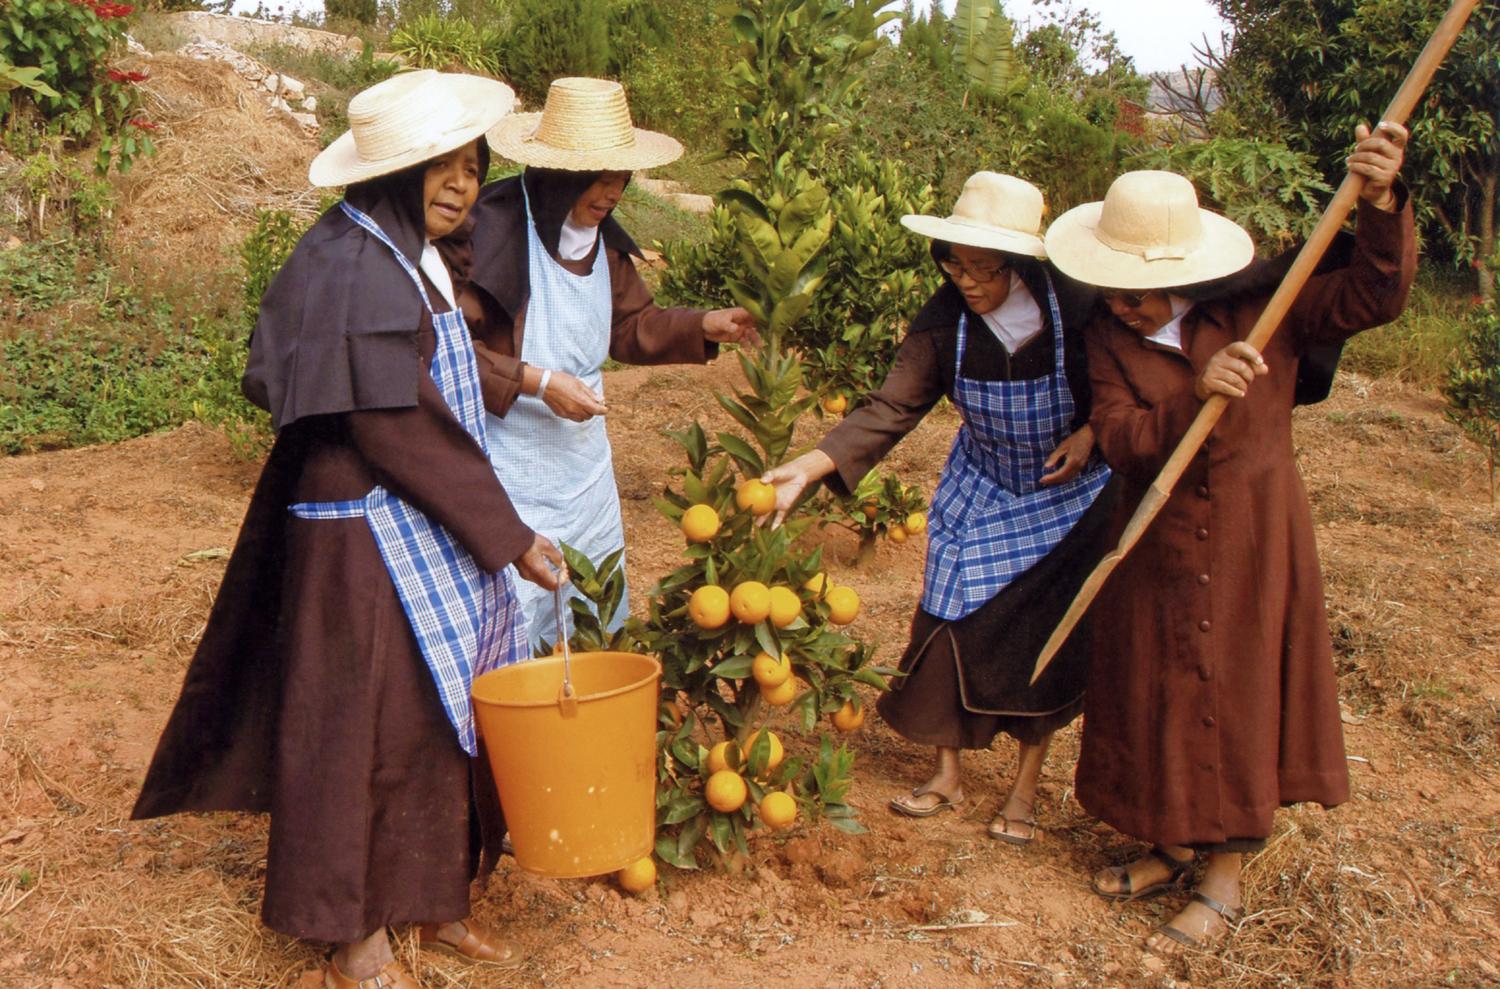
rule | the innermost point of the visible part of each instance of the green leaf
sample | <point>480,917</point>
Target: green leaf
<point>735,668</point>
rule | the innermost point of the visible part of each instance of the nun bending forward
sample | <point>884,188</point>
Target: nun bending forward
<point>368,584</point>
<point>1020,505</point>
<point>1213,700</point>
<point>555,293</point>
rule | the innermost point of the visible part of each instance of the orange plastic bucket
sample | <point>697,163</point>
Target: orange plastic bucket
<point>577,775</point>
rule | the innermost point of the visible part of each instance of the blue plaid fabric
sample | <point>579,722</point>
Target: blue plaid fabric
<point>990,519</point>
<point>465,620</point>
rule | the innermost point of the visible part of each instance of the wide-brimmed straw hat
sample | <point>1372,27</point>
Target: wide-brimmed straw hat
<point>999,212</point>
<point>585,126</point>
<point>1148,233</point>
<point>408,119</point>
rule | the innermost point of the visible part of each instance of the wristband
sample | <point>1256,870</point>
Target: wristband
<point>541,389</point>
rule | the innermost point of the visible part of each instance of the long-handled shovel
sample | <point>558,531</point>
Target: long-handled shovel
<point>1270,319</point>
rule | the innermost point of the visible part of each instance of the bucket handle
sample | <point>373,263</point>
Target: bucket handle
<point>567,699</point>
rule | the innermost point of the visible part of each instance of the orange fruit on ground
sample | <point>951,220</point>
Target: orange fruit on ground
<point>916,523</point>
<point>755,496</point>
<point>896,533</point>
<point>725,791</point>
<point>778,810</point>
<point>818,583</point>
<point>835,404</point>
<point>638,876</point>
<point>699,523</point>
<point>724,755</point>
<point>709,606</point>
<point>843,605</point>
<point>769,671</point>
<point>774,754</point>
<point>780,696</point>
<point>750,601</point>
<point>786,606</point>
<point>849,717</point>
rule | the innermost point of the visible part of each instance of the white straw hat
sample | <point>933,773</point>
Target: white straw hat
<point>408,119</point>
<point>999,212</point>
<point>1148,233</point>
<point>585,126</point>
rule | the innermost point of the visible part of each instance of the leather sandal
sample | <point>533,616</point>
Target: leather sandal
<point>478,947</point>
<point>1128,893</point>
<point>1231,916</point>
<point>390,976</point>
<point>999,829</point>
<point>903,804</point>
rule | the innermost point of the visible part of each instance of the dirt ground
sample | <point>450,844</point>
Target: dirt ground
<point>110,557</point>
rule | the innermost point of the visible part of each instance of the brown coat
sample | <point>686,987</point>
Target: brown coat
<point>1213,701</point>
<point>308,696</point>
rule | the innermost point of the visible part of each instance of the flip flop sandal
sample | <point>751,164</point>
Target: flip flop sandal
<point>999,829</point>
<point>904,806</point>
<point>482,948</point>
<point>390,976</point>
<point>1230,915</point>
<point>1127,893</point>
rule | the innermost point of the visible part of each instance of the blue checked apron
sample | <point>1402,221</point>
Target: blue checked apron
<point>990,519</point>
<point>560,474</point>
<point>465,620</point>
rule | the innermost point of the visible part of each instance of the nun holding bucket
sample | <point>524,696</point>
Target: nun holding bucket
<point>369,582</point>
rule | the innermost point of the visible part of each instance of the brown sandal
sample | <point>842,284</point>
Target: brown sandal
<point>1177,871</point>
<point>390,976</point>
<point>478,947</point>
<point>1229,916</point>
<point>999,829</point>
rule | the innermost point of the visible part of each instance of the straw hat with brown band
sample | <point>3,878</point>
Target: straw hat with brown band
<point>1148,233</point>
<point>994,211</point>
<point>585,126</point>
<point>408,119</point>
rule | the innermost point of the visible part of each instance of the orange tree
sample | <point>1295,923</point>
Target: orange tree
<point>750,623</point>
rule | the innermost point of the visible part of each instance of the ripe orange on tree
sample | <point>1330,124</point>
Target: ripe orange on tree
<point>769,671</point>
<point>843,605</point>
<point>778,810</point>
<point>638,876</point>
<point>782,695</point>
<point>835,404</point>
<point>724,755</point>
<point>700,523</point>
<point>818,583</point>
<point>709,606</point>
<point>725,791</point>
<point>849,717</point>
<point>896,533</point>
<point>750,601</point>
<point>916,523</point>
<point>774,751</point>
<point>786,606</point>
<point>755,496</point>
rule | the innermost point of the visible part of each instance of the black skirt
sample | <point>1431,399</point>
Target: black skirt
<point>967,680</point>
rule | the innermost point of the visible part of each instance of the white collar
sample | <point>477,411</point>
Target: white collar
<point>574,242</point>
<point>1170,333</point>
<point>437,272</point>
<point>1017,319</point>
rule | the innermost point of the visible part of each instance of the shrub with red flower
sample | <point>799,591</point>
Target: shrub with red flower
<point>72,40</point>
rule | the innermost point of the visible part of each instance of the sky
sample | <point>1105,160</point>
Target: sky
<point>1158,34</point>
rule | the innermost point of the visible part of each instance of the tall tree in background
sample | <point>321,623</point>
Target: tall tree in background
<point>1309,70</point>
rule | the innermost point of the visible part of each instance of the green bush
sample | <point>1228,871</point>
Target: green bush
<point>360,11</point>
<point>1424,342</point>
<point>85,100</point>
<point>1473,385</point>
<point>436,41</point>
<point>264,251</point>
<point>552,38</point>
<point>679,85</point>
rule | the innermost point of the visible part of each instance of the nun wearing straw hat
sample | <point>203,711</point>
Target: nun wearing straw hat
<point>368,584</point>
<point>555,293</point>
<point>1213,700</point>
<point>1016,520</point>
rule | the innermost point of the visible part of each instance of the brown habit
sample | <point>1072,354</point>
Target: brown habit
<point>308,696</point>
<point>1213,700</point>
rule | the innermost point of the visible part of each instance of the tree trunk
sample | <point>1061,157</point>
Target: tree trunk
<point>1487,233</point>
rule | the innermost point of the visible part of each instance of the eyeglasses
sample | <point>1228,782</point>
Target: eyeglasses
<point>1131,300</point>
<point>980,274</point>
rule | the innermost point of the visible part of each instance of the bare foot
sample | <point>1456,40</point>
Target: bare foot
<point>926,800</point>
